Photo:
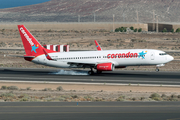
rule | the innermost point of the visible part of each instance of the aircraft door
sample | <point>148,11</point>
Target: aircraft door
<point>44,60</point>
<point>152,55</point>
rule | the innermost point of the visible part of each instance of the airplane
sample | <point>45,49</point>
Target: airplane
<point>106,60</point>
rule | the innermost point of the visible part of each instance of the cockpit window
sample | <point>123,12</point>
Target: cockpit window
<point>162,54</point>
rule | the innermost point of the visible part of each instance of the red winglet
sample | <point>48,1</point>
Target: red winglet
<point>47,56</point>
<point>97,45</point>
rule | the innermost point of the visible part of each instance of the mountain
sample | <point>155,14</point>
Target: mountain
<point>69,10</point>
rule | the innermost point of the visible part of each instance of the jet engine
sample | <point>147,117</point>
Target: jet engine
<point>105,67</point>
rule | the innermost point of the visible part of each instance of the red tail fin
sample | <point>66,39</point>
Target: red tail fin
<point>31,45</point>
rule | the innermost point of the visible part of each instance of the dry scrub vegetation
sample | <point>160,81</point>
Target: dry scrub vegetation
<point>14,94</point>
<point>84,40</point>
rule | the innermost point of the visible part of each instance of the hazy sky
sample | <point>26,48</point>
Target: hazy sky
<point>16,3</point>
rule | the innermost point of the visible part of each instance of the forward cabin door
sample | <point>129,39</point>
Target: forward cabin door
<point>152,55</point>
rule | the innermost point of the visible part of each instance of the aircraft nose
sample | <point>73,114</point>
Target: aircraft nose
<point>170,58</point>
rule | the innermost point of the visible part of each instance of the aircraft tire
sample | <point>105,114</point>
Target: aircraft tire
<point>90,72</point>
<point>157,70</point>
<point>99,72</point>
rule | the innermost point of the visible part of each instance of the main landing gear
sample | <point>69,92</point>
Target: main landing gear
<point>99,72</point>
<point>91,72</point>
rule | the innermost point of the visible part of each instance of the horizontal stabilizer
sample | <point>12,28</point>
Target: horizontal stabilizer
<point>29,58</point>
<point>21,56</point>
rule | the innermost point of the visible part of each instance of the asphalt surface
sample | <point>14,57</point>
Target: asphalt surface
<point>90,111</point>
<point>111,77</point>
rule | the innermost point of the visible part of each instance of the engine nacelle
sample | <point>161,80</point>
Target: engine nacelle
<point>105,67</point>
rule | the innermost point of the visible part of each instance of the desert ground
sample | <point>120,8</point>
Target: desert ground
<point>68,92</point>
<point>84,40</point>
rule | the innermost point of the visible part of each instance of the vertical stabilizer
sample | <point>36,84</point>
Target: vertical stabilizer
<point>31,45</point>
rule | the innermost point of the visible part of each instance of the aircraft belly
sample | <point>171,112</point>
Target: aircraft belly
<point>132,62</point>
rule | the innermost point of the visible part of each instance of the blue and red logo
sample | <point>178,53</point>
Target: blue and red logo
<point>33,48</point>
<point>142,54</point>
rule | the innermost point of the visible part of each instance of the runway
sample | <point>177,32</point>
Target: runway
<point>111,77</point>
<point>90,110</point>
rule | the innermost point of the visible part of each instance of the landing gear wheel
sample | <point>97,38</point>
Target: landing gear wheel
<point>99,72</point>
<point>157,69</point>
<point>90,72</point>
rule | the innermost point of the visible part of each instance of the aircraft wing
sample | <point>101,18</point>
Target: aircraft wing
<point>85,64</point>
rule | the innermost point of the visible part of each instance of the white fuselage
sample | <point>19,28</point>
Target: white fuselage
<point>126,57</point>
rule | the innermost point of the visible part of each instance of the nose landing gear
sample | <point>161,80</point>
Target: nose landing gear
<point>157,67</point>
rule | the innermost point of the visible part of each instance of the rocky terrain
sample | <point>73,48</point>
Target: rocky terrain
<point>68,11</point>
